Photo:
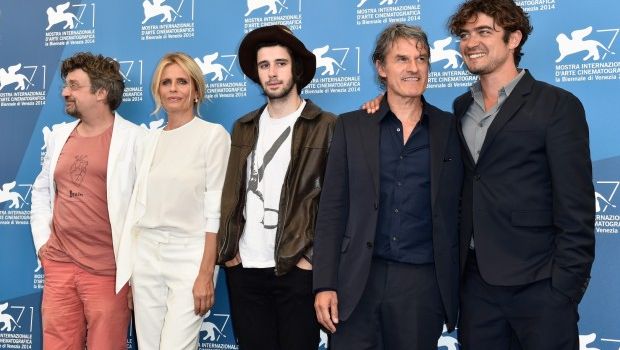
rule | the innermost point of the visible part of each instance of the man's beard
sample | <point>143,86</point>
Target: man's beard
<point>73,110</point>
<point>286,90</point>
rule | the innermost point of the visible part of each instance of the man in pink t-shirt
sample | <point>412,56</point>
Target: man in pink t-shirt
<point>78,205</point>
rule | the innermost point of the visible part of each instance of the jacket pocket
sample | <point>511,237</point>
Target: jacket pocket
<point>533,218</point>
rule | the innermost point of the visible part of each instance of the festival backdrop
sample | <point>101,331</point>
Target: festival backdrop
<point>573,45</point>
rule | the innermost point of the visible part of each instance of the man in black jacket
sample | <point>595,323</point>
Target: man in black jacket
<point>386,245</point>
<point>527,230</point>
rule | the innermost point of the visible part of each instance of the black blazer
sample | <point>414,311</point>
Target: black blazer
<point>347,218</point>
<point>529,201</point>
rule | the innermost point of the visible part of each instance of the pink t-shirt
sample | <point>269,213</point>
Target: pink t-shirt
<point>81,231</point>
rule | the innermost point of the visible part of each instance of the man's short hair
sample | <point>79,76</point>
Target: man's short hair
<point>505,13</point>
<point>393,32</point>
<point>103,72</point>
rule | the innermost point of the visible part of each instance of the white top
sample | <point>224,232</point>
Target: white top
<point>266,169</point>
<point>185,179</point>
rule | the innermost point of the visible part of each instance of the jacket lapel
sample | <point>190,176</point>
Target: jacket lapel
<point>150,144</point>
<point>460,108</point>
<point>512,104</point>
<point>439,134</point>
<point>370,128</point>
<point>119,135</point>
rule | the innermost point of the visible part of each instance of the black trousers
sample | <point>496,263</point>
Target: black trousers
<point>272,313</point>
<point>530,317</point>
<point>400,309</point>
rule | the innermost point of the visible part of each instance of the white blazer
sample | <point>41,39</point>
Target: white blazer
<point>135,209</point>
<point>121,174</point>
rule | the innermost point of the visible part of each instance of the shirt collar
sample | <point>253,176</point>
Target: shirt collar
<point>503,93</point>
<point>476,88</point>
<point>389,111</point>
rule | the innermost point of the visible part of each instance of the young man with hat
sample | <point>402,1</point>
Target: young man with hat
<point>270,197</point>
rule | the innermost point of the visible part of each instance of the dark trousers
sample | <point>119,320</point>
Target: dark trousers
<point>272,313</point>
<point>530,317</point>
<point>400,309</point>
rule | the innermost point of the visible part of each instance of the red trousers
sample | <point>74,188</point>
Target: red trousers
<point>81,309</point>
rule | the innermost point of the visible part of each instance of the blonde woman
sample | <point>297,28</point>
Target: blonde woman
<point>169,236</point>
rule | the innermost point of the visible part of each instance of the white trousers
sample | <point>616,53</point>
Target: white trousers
<point>165,269</point>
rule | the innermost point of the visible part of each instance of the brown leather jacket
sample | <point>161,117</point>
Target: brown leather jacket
<point>299,200</point>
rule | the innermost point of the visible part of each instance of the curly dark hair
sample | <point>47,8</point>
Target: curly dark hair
<point>104,73</point>
<point>505,13</point>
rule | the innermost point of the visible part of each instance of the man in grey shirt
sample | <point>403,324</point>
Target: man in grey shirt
<point>527,208</point>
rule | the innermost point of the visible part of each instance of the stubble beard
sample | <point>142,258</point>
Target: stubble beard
<point>73,111</point>
<point>286,90</point>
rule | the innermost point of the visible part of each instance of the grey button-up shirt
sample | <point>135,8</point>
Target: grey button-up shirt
<point>476,121</point>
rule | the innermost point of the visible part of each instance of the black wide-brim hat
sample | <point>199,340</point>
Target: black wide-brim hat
<point>280,35</point>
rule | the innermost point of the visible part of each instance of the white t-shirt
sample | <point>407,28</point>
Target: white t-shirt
<point>267,165</point>
<point>185,179</point>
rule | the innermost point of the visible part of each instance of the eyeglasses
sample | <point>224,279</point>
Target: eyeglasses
<point>73,86</point>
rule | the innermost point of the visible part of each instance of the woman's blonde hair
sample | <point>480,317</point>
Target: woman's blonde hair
<point>190,67</point>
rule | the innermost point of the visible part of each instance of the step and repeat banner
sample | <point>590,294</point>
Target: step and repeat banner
<point>573,45</point>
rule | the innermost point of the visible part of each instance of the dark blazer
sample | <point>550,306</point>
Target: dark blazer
<point>347,219</point>
<point>529,201</point>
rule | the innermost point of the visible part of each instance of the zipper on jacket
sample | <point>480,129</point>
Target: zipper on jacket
<point>240,186</point>
<point>284,206</point>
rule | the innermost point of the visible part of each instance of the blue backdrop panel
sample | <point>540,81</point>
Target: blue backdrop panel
<point>573,45</point>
